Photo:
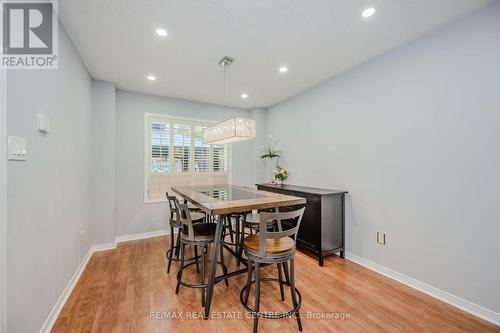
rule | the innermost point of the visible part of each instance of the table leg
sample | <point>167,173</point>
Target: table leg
<point>237,246</point>
<point>213,264</point>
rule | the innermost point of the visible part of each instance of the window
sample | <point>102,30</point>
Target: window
<point>160,145</point>
<point>220,158</point>
<point>176,156</point>
<point>181,147</point>
<point>201,151</point>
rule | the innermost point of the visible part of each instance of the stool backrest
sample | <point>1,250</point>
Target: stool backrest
<point>265,234</point>
<point>172,199</point>
<point>185,218</point>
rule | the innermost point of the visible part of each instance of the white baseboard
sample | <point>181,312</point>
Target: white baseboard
<point>56,310</point>
<point>104,247</point>
<point>143,235</point>
<point>472,308</point>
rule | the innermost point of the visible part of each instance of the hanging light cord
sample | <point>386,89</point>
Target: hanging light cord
<point>224,105</point>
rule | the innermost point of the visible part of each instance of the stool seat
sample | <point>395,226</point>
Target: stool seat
<point>195,217</point>
<point>273,246</point>
<point>253,218</point>
<point>202,231</point>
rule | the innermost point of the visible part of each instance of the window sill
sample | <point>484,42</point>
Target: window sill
<point>153,201</point>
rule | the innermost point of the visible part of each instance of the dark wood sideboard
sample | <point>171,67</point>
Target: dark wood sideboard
<point>322,230</point>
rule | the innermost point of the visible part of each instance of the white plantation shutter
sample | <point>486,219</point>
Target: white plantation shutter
<point>160,146</point>
<point>176,156</point>
<point>159,153</point>
<point>201,151</point>
<point>182,147</point>
<point>220,158</point>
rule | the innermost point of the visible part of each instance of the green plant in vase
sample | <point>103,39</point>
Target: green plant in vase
<point>271,152</point>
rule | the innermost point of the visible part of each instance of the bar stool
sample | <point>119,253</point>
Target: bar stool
<point>201,234</point>
<point>268,247</point>
<point>176,224</point>
<point>250,220</point>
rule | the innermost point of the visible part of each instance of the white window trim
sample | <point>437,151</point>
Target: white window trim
<point>147,116</point>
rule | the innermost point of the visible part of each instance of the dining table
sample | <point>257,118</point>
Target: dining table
<point>220,202</point>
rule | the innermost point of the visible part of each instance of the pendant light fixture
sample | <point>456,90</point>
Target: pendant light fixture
<point>230,130</point>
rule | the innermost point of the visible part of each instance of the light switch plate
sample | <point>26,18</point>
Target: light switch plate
<point>17,149</point>
<point>43,123</point>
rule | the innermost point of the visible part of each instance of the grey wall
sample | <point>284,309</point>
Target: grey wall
<point>132,214</point>
<point>261,166</point>
<point>103,162</point>
<point>413,135</point>
<point>48,195</point>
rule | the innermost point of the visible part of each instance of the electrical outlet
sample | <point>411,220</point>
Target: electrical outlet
<point>82,232</point>
<point>381,238</point>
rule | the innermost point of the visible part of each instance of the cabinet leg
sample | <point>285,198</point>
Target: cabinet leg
<point>342,255</point>
<point>321,259</point>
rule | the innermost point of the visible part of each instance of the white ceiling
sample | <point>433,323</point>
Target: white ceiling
<point>316,39</point>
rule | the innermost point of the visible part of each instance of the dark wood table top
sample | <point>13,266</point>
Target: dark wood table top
<point>226,199</point>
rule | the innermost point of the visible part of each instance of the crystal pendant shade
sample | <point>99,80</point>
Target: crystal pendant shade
<point>230,130</point>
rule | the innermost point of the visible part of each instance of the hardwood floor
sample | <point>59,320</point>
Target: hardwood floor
<point>120,289</point>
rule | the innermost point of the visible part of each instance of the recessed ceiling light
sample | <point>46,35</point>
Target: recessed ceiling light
<point>161,32</point>
<point>283,69</point>
<point>151,78</point>
<point>244,96</point>
<point>368,12</point>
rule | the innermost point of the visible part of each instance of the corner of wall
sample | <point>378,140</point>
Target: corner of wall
<point>260,116</point>
<point>102,213</point>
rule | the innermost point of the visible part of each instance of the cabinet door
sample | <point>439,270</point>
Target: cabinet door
<point>310,227</point>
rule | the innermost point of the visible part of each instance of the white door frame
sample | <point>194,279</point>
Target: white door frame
<point>3,201</point>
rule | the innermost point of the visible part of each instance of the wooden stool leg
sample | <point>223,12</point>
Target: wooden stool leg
<point>171,249</point>
<point>202,273</point>
<point>280,278</point>
<point>249,280</point>
<point>179,276</point>
<point>294,293</point>
<point>257,296</point>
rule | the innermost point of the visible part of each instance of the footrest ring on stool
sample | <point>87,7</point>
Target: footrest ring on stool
<point>168,255</point>
<point>190,285</point>
<point>270,315</point>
